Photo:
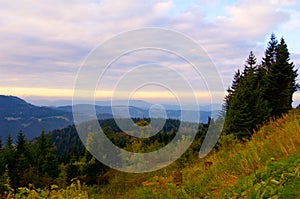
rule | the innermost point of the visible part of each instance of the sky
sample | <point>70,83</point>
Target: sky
<point>43,44</point>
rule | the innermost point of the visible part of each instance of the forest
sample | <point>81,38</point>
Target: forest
<point>59,157</point>
<point>260,132</point>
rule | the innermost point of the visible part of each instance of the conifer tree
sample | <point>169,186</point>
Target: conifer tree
<point>20,143</point>
<point>232,89</point>
<point>288,80</point>
<point>261,91</point>
<point>270,53</point>
<point>22,161</point>
<point>281,82</point>
<point>2,161</point>
<point>9,158</point>
<point>47,162</point>
<point>239,119</point>
<point>250,65</point>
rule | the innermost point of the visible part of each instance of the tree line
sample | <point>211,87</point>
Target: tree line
<point>59,156</point>
<point>261,90</point>
<point>27,162</point>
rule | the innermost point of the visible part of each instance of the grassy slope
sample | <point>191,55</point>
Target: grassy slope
<point>275,141</point>
<point>278,179</point>
<point>239,169</point>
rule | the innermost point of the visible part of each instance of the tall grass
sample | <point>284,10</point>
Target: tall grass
<point>275,140</point>
<point>234,160</point>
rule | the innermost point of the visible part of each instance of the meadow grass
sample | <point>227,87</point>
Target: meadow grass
<point>233,161</point>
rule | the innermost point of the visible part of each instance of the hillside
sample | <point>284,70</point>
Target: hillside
<point>267,166</point>
<point>16,114</point>
<point>121,111</point>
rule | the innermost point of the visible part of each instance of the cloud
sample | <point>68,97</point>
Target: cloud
<point>43,43</point>
<point>283,2</point>
<point>245,26</point>
<point>253,18</point>
<point>161,8</point>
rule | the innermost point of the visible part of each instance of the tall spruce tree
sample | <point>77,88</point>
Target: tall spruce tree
<point>270,53</point>
<point>236,80</point>
<point>239,119</point>
<point>9,158</point>
<point>232,89</point>
<point>281,82</point>
<point>47,162</point>
<point>22,161</point>
<point>261,91</point>
<point>20,143</point>
<point>250,65</point>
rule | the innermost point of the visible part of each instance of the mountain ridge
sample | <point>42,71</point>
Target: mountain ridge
<point>17,114</point>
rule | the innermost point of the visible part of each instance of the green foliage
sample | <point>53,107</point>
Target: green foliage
<point>281,81</point>
<point>279,179</point>
<point>29,163</point>
<point>94,170</point>
<point>246,109</point>
<point>8,154</point>
<point>261,91</point>
<point>72,172</point>
<point>75,190</point>
<point>270,53</point>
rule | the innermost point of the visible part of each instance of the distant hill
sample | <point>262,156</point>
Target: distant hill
<point>56,103</point>
<point>135,103</point>
<point>16,114</point>
<point>106,112</point>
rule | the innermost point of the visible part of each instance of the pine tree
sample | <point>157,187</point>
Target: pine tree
<point>9,143</point>
<point>270,53</point>
<point>20,143</point>
<point>281,81</point>
<point>232,89</point>
<point>261,110</point>
<point>261,91</point>
<point>47,162</point>
<point>9,158</point>
<point>239,119</point>
<point>41,154</point>
<point>250,63</point>
<point>51,164</point>
<point>22,161</point>
<point>236,80</point>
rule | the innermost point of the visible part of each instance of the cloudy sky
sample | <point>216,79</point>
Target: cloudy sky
<point>44,43</point>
